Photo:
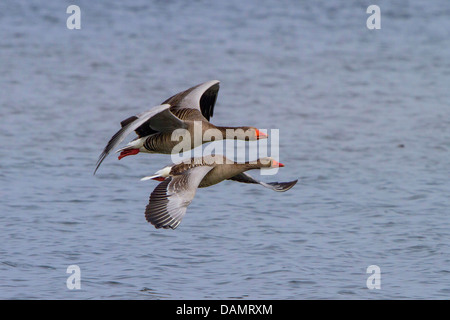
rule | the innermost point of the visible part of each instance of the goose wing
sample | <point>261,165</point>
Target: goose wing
<point>196,103</point>
<point>169,201</point>
<point>158,118</point>
<point>275,186</point>
<point>201,97</point>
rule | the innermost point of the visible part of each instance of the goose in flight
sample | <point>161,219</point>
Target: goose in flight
<point>170,199</point>
<point>181,117</point>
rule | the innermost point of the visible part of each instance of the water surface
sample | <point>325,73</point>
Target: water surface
<point>364,124</point>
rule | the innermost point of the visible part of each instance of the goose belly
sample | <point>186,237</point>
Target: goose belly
<point>216,176</point>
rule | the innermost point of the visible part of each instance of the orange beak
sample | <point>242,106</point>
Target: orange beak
<point>276,164</point>
<point>261,135</point>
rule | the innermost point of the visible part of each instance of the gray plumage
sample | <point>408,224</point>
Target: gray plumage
<point>169,200</point>
<point>187,110</point>
<point>275,186</point>
<point>162,112</point>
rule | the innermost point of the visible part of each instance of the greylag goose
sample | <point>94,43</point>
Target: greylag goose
<point>190,110</point>
<point>170,199</point>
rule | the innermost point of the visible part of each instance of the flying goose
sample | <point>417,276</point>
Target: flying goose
<point>170,199</point>
<point>190,110</point>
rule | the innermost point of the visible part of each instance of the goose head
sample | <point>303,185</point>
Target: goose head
<point>269,162</point>
<point>246,133</point>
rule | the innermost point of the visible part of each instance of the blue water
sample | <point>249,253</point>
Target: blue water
<point>364,119</point>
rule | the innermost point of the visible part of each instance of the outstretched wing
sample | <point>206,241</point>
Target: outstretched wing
<point>170,199</point>
<point>158,118</point>
<point>196,103</point>
<point>201,97</point>
<point>275,186</point>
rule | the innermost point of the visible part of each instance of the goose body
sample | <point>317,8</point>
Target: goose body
<point>169,200</point>
<point>174,126</point>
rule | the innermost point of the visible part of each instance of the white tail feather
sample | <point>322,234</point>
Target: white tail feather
<point>135,144</point>
<point>150,177</point>
<point>163,173</point>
